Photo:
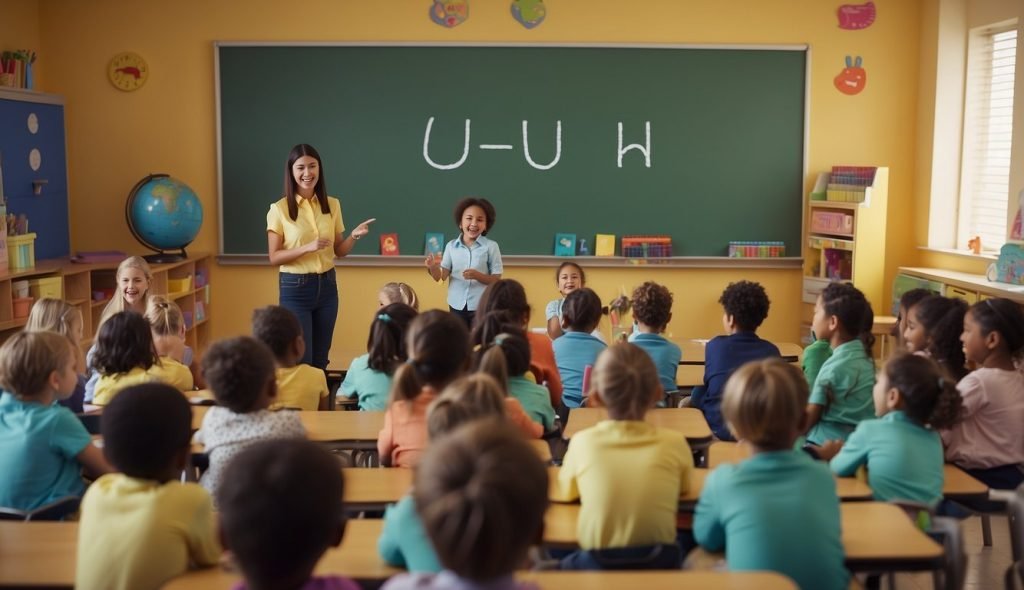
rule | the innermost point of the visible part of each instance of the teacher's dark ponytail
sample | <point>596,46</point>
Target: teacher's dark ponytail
<point>320,189</point>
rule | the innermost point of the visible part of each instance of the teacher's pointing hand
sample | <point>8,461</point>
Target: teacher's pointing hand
<point>362,229</point>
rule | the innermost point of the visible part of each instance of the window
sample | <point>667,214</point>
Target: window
<point>987,133</point>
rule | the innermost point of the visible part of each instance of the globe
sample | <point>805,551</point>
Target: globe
<point>163,214</point>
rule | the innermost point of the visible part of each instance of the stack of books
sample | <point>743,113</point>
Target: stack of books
<point>646,246</point>
<point>850,183</point>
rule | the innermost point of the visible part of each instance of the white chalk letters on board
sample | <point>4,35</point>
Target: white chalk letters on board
<point>644,149</point>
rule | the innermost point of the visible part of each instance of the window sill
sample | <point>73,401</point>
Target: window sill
<point>984,256</point>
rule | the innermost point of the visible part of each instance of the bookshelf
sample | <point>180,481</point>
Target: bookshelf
<point>846,239</point>
<point>90,286</point>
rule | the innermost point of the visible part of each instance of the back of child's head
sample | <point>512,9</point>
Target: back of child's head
<point>54,315</point>
<point>943,322</point>
<point>1005,317</point>
<point>627,381</point>
<point>929,393</point>
<point>278,328</point>
<point>281,507</point>
<point>764,403</point>
<point>386,342</point>
<point>481,493</point>
<point>29,358</point>
<point>123,343</point>
<point>399,293</point>
<point>437,343</point>
<point>571,267</point>
<point>468,398</point>
<point>505,295</point>
<point>145,429</point>
<point>851,309</point>
<point>748,304</point>
<point>503,349</point>
<point>165,317</point>
<point>239,370</point>
<point>581,311</point>
<point>652,305</point>
<point>484,204</point>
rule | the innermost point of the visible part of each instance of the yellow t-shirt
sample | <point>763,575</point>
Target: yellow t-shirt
<point>301,387</point>
<point>173,373</point>
<point>628,476</point>
<point>137,533</point>
<point>309,224</point>
<point>110,385</point>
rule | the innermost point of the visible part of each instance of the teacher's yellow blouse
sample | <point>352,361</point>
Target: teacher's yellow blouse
<point>309,225</point>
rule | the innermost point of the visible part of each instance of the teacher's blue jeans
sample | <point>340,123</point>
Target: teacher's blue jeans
<point>313,298</point>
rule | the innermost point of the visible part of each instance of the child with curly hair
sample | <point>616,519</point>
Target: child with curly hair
<point>933,328</point>
<point>745,306</point>
<point>652,311</point>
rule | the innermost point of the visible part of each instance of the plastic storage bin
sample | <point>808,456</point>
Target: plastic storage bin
<point>22,305</point>
<point>21,251</point>
<point>175,286</point>
<point>52,287</point>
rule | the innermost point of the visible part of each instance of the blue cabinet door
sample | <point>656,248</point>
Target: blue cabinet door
<point>32,148</point>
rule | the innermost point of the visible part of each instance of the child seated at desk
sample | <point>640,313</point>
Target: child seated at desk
<point>841,396</point>
<point>438,345</point>
<point>620,520</point>
<point>43,446</point>
<point>168,327</point>
<point>745,305</point>
<point>777,510</point>
<point>934,326</point>
<point>280,510</point>
<point>124,355</point>
<point>240,371</point>
<point>403,542</point>
<point>142,527</point>
<point>577,348</point>
<point>398,293</point>
<point>901,449</point>
<point>468,478</point>
<point>299,386</point>
<point>57,315</point>
<point>652,311</point>
<point>369,376</point>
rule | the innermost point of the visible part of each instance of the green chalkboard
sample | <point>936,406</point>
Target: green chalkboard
<point>724,159</point>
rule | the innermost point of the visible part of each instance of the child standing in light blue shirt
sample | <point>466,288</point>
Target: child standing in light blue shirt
<point>841,395</point>
<point>577,348</point>
<point>652,311</point>
<point>901,449</point>
<point>369,376</point>
<point>471,261</point>
<point>777,510</point>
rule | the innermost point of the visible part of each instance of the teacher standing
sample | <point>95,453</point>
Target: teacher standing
<point>304,235</point>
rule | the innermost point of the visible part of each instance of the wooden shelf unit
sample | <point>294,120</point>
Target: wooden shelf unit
<point>81,281</point>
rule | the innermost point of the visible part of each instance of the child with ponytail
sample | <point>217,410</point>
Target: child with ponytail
<point>933,327</point>
<point>369,376</point>
<point>438,347</point>
<point>841,394</point>
<point>901,449</point>
<point>167,324</point>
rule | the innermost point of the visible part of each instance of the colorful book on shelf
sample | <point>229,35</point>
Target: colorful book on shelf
<point>389,244</point>
<point>565,244</point>
<point>433,243</point>
<point>605,245</point>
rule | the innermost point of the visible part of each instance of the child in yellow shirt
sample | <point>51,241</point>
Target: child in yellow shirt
<point>298,385</point>
<point>167,324</point>
<point>624,523</point>
<point>124,355</point>
<point>142,527</point>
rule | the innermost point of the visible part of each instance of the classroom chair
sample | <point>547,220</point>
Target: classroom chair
<point>334,379</point>
<point>945,530</point>
<point>56,510</point>
<point>91,422</point>
<point>1014,578</point>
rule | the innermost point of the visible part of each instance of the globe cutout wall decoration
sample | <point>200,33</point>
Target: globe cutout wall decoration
<point>164,215</point>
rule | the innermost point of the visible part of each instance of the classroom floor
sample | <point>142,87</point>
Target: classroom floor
<point>985,565</point>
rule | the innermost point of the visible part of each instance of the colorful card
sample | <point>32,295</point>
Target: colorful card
<point>449,13</point>
<point>434,244</point>
<point>389,244</point>
<point>605,245</point>
<point>853,77</point>
<point>856,16</point>
<point>565,244</point>
<point>529,13</point>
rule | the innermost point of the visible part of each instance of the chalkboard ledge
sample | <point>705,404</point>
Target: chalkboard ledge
<point>550,261</point>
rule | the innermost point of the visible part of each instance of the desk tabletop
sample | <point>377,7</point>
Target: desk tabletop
<point>689,421</point>
<point>693,351</point>
<point>659,580</point>
<point>38,553</point>
<point>325,426</point>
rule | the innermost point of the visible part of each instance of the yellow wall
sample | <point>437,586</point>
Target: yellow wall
<point>169,125</point>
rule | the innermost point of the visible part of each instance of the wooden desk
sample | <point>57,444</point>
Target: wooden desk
<point>956,484</point>
<point>659,580</point>
<point>356,558</point>
<point>344,430</point>
<point>38,554</point>
<point>693,351</point>
<point>375,488</point>
<point>876,536</point>
<point>689,421</point>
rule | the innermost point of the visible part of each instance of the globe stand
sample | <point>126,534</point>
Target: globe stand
<point>162,256</point>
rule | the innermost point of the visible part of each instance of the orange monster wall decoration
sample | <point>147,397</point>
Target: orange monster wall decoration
<point>852,79</point>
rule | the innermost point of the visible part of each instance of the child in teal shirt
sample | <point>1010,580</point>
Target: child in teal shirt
<point>652,311</point>
<point>777,510</point>
<point>369,376</point>
<point>901,449</point>
<point>841,394</point>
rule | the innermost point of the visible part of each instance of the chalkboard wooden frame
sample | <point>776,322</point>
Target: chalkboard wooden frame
<point>700,261</point>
